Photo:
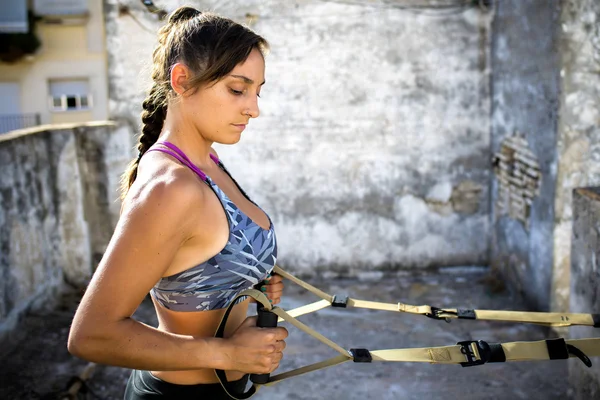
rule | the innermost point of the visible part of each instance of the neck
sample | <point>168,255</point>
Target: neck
<point>184,135</point>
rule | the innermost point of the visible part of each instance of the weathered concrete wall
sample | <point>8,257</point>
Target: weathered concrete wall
<point>526,87</point>
<point>585,285</point>
<point>546,87</point>
<point>372,149</point>
<point>579,128</point>
<point>58,191</point>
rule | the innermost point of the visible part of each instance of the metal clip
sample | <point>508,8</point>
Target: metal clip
<point>477,352</point>
<point>435,314</point>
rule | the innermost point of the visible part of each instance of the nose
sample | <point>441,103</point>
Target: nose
<point>252,109</point>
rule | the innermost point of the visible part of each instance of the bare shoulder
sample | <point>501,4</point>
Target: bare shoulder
<point>164,190</point>
<point>169,187</point>
<point>159,207</point>
<point>156,220</point>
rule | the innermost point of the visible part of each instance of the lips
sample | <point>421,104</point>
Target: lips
<point>240,126</point>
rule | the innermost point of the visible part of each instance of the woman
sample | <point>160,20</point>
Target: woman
<point>187,233</point>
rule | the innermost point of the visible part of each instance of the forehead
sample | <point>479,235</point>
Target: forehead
<point>253,67</point>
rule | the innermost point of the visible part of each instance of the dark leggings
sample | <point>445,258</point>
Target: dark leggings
<point>142,385</point>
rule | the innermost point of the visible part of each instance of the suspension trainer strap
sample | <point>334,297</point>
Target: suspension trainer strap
<point>540,318</point>
<point>467,353</point>
<point>220,333</point>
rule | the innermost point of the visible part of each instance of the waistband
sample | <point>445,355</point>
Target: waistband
<point>149,386</point>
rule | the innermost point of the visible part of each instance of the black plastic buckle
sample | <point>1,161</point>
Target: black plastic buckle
<point>361,355</point>
<point>466,314</point>
<point>435,314</point>
<point>339,301</point>
<point>476,355</point>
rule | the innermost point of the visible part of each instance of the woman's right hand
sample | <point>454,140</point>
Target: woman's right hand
<point>256,350</point>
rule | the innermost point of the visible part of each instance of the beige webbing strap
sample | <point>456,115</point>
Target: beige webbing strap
<point>296,312</point>
<point>540,318</point>
<point>309,368</point>
<point>299,282</point>
<point>516,351</point>
<point>467,353</point>
<point>304,328</point>
<point>550,319</point>
<point>513,351</point>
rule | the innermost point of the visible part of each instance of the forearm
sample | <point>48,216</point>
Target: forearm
<point>131,344</point>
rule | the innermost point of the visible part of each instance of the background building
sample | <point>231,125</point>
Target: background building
<point>64,79</point>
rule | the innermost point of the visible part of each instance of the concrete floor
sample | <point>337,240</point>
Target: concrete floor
<point>36,365</point>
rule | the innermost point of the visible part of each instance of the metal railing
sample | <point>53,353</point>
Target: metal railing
<point>10,122</point>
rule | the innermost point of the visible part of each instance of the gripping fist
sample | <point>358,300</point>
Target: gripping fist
<point>273,288</point>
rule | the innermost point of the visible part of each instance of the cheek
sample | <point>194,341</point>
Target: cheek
<point>215,108</point>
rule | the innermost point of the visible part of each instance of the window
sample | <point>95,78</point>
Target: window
<point>70,95</point>
<point>13,18</point>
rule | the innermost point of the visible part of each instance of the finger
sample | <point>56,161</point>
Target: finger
<point>274,279</point>
<point>276,358</point>
<point>281,345</point>
<point>274,295</point>
<point>274,288</point>
<point>274,299</point>
<point>281,333</point>
<point>271,284</point>
<point>274,366</point>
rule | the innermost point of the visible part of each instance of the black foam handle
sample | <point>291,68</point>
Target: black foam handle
<point>266,319</point>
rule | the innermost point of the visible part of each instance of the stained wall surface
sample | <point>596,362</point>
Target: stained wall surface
<point>578,144</point>
<point>373,145</point>
<point>525,103</point>
<point>57,191</point>
<point>545,122</point>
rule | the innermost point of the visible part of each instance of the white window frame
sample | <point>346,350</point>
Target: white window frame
<point>63,102</point>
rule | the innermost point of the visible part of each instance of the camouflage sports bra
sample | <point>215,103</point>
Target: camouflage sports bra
<point>246,259</point>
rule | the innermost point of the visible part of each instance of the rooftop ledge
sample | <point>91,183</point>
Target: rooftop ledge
<point>52,127</point>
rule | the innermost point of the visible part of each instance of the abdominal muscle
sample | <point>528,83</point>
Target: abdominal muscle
<point>198,324</point>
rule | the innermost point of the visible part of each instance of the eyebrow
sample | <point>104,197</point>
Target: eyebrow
<point>246,79</point>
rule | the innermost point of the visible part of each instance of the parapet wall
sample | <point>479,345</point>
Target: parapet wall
<point>58,195</point>
<point>585,285</point>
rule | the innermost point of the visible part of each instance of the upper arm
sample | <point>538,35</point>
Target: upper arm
<point>150,231</point>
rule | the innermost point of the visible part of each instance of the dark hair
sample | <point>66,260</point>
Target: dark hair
<point>210,45</point>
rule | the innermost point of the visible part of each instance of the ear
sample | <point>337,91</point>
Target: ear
<point>180,74</point>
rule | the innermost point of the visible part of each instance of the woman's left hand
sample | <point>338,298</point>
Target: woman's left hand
<point>273,288</point>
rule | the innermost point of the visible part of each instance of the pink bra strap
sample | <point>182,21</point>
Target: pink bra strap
<point>185,161</point>
<point>215,158</point>
<point>182,154</point>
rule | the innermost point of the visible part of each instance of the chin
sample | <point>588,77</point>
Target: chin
<point>233,139</point>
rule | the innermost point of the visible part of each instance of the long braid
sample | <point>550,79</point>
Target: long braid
<point>154,107</point>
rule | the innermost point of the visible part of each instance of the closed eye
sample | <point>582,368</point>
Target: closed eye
<point>239,92</point>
